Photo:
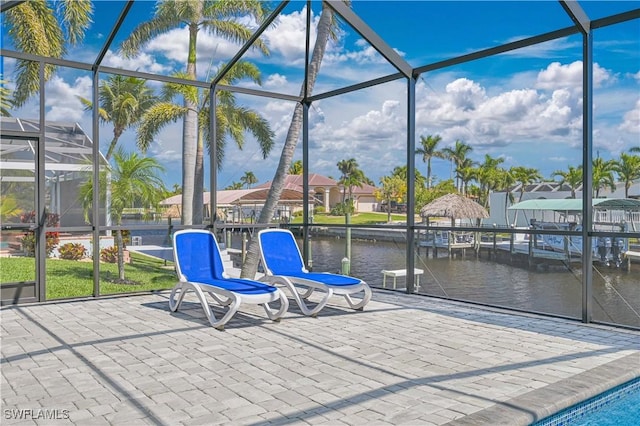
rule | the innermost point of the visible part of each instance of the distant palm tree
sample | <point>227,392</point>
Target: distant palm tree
<point>296,168</point>
<point>216,17</point>
<point>571,178</point>
<point>428,151</point>
<point>457,155</point>
<point>635,149</point>
<point>45,28</point>
<point>628,170</point>
<point>490,177</point>
<point>123,101</point>
<point>393,188</point>
<point>603,175</point>
<point>133,180</point>
<point>234,185</point>
<point>525,176</point>
<point>351,176</point>
<point>466,172</point>
<point>401,171</point>
<point>248,179</point>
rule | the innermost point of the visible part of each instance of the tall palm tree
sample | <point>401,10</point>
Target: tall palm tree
<point>134,180</point>
<point>327,28</point>
<point>248,179</point>
<point>123,101</point>
<point>603,175</point>
<point>232,121</point>
<point>217,17</point>
<point>571,177</point>
<point>296,168</point>
<point>429,150</point>
<point>457,155</point>
<point>628,170</point>
<point>525,176</point>
<point>45,28</point>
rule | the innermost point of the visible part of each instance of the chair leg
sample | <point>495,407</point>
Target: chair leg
<point>276,315</point>
<point>366,297</point>
<point>301,302</point>
<point>174,304</point>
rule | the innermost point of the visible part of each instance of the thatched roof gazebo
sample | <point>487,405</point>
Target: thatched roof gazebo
<point>455,207</point>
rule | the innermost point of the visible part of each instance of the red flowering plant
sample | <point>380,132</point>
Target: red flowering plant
<point>52,220</point>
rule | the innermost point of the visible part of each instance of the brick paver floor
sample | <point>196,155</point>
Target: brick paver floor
<point>404,360</point>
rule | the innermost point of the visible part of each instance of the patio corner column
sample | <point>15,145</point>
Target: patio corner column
<point>95,118</point>
<point>411,172</point>
<point>587,177</point>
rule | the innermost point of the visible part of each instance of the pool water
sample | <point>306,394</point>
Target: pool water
<point>619,406</point>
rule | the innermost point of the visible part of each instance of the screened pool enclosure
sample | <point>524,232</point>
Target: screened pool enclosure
<point>495,101</point>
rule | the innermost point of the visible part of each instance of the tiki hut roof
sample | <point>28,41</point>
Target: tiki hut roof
<point>454,206</point>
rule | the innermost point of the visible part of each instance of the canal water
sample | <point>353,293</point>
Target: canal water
<point>553,289</point>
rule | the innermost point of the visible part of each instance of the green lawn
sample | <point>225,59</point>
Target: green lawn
<point>369,218</point>
<point>68,278</point>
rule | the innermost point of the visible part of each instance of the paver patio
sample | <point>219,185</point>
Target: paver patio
<point>404,360</point>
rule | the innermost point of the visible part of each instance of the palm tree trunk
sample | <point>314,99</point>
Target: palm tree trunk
<point>250,266</point>
<point>112,146</point>
<point>198,191</point>
<point>189,137</point>
<point>119,245</point>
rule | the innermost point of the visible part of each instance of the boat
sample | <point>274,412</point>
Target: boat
<point>612,215</point>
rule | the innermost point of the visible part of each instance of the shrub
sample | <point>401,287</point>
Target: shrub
<point>29,242</point>
<point>109,254</point>
<point>72,251</point>
<point>319,210</point>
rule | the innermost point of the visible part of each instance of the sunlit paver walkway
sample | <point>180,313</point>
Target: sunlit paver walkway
<point>404,360</point>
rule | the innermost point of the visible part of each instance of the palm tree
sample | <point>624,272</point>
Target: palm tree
<point>134,180</point>
<point>232,121</point>
<point>628,170</point>
<point>572,178</point>
<point>219,18</point>
<point>296,168</point>
<point>466,172</point>
<point>45,28</point>
<point>525,176</point>
<point>351,176</point>
<point>603,175</point>
<point>490,177</point>
<point>457,155</point>
<point>393,188</point>
<point>5,98</point>
<point>234,185</point>
<point>428,151</point>
<point>123,101</point>
<point>327,26</point>
<point>401,171</point>
<point>248,179</point>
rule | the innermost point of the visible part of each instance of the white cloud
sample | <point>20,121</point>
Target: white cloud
<point>631,121</point>
<point>62,101</point>
<point>557,75</point>
<point>286,39</point>
<point>143,62</point>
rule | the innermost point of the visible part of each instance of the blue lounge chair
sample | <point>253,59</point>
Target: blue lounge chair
<point>200,269</point>
<point>283,265</point>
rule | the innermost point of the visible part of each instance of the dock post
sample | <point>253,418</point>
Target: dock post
<point>449,244</point>
<point>228,239</point>
<point>531,250</point>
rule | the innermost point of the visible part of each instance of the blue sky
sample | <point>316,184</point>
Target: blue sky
<point>523,106</point>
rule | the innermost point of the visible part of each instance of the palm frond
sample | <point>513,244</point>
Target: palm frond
<point>154,120</point>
